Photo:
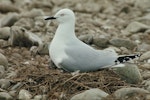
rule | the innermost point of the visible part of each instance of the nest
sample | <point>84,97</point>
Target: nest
<point>62,85</point>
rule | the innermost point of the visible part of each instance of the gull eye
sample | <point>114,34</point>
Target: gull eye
<point>62,14</point>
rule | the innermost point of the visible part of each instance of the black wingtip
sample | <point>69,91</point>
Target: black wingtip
<point>123,59</point>
<point>50,18</point>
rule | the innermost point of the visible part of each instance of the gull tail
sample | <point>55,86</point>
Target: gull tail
<point>123,59</point>
<point>119,62</point>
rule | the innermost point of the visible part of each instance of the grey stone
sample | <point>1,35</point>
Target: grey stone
<point>88,38</point>
<point>33,13</point>
<point>3,61</point>
<point>143,4</point>
<point>5,96</point>
<point>101,41</point>
<point>5,33</point>
<point>43,49</point>
<point>130,73</point>
<point>143,47</point>
<point>9,19</point>
<point>123,43</point>
<point>5,83</point>
<point>146,75</point>
<point>144,19</point>
<point>145,56</point>
<point>24,95</point>
<point>135,27</point>
<point>5,8</point>
<point>26,23</point>
<point>40,97</point>
<point>2,71</point>
<point>125,92</point>
<point>92,94</point>
<point>21,37</point>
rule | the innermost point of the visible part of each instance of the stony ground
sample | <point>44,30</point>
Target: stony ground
<point>123,25</point>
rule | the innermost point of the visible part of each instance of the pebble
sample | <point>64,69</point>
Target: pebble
<point>5,33</point>
<point>5,8</point>
<point>143,47</point>
<point>5,83</point>
<point>145,56</point>
<point>43,49</point>
<point>135,27</point>
<point>5,96</point>
<point>144,19</point>
<point>25,38</point>
<point>128,92</point>
<point>130,73</point>
<point>3,61</point>
<point>119,42</point>
<point>146,75</point>
<point>2,71</point>
<point>101,41</point>
<point>33,13</point>
<point>40,97</point>
<point>26,23</point>
<point>9,19</point>
<point>145,4</point>
<point>92,94</point>
<point>87,38</point>
<point>24,95</point>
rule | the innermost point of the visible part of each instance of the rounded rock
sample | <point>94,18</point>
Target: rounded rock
<point>5,96</point>
<point>127,92</point>
<point>3,61</point>
<point>5,33</point>
<point>92,94</point>
<point>24,95</point>
<point>130,73</point>
<point>5,83</point>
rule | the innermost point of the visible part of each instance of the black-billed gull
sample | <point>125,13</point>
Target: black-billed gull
<point>71,54</point>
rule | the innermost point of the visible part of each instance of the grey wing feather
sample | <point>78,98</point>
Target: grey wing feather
<point>85,58</point>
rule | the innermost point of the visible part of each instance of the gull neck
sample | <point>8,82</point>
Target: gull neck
<point>65,30</point>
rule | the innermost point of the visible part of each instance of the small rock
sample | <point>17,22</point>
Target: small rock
<point>5,33</point>
<point>21,37</point>
<point>5,96</point>
<point>92,94</point>
<point>144,19</point>
<point>9,19</point>
<point>128,92</point>
<point>5,83</point>
<point>145,4</point>
<point>43,49</point>
<point>146,75</point>
<point>33,13</point>
<point>135,27</point>
<point>101,41</point>
<point>26,23</point>
<point>5,8</point>
<point>89,7</point>
<point>40,97</point>
<point>130,73</point>
<point>123,43</point>
<point>143,47</point>
<point>3,61</point>
<point>145,56</point>
<point>2,71</point>
<point>24,95</point>
<point>88,38</point>
<point>13,93</point>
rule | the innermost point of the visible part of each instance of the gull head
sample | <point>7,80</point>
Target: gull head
<point>63,16</point>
